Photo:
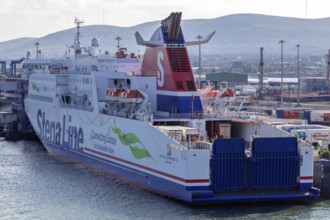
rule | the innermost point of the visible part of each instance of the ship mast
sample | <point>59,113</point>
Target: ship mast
<point>76,46</point>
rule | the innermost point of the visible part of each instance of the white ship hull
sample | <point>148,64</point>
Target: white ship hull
<point>130,149</point>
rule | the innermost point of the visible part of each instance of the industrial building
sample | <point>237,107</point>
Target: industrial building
<point>312,84</point>
<point>231,78</point>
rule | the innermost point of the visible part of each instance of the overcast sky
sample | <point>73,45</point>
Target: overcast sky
<point>37,18</point>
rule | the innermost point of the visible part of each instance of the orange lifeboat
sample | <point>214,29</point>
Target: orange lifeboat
<point>109,92</point>
<point>228,93</point>
<point>118,91</point>
<point>122,95</point>
<point>113,95</point>
<point>212,93</point>
<point>133,96</point>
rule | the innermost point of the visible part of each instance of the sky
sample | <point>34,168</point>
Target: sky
<point>37,18</point>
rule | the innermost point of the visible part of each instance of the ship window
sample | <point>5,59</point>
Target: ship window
<point>179,85</point>
<point>128,82</point>
<point>94,67</point>
<point>191,86</point>
<point>66,99</point>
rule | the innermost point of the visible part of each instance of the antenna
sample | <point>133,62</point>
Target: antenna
<point>37,45</point>
<point>69,48</point>
<point>77,21</point>
<point>118,45</point>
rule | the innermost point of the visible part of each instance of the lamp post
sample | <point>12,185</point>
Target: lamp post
<point>199,37</point>
<point>328,72</point>
<point>298,92</point>
<point>281,42</point>
<point>37,45</point>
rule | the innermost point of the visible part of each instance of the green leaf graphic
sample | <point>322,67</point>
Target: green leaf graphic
<point>128,140</point>
<point>139,153</point>
<point>35,87</point>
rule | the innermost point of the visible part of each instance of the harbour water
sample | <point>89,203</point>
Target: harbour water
<point>36,185</point>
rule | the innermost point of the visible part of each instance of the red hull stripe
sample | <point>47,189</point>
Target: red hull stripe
<point>306,178</point>
<point>148,168</point>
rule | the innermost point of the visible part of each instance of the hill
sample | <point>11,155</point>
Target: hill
<point>236,34</point>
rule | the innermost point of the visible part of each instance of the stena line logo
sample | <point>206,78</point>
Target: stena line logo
<point>63,134</point>
<point>160,74</point>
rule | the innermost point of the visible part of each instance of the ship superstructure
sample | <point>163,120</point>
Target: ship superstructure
<point>143,120</point>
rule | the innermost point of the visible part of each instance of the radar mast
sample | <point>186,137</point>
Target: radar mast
<point>76,46</point>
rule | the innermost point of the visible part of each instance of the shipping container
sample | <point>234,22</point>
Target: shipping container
<point>326,117</point>
<point>307,115</point>
<point>280,113</point>
<point>294,114</point>
<point>180,133</point>
<point>318,115</point>
<point>268,112</point>
<point>315,135</point>
<point>287,114</point>
<point>174,133</point>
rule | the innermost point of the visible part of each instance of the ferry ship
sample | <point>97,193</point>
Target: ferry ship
<point>143,120</point>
